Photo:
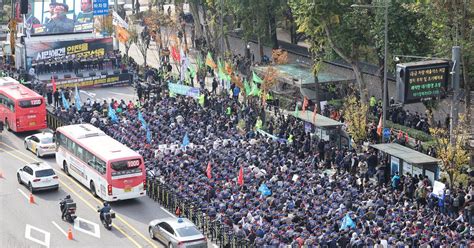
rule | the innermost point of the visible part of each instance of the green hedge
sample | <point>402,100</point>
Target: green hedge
<point>413,133</point>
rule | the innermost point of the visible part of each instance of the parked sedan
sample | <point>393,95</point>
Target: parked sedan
<point>41,144</point>
<point>177,233</point>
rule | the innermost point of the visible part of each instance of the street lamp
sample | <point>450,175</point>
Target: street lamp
<point>384,98</point>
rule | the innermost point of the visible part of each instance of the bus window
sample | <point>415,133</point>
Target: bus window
<point>79,152</point>
<point>100,166</point>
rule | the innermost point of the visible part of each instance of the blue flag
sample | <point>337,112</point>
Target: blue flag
<point>264,190</point>
<point>185,141</point>
<point>65,102</point>
<point>112,115</point>
<point>141,119</point>
<point>148,135</point>
<point>347,222</point>
<point>78,100</point>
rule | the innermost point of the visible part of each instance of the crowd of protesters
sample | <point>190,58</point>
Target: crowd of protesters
<point>314,192</point>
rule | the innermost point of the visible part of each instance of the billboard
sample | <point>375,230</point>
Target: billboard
<point>42,51</point>
<point>424,80</point>
<point>57,16</point>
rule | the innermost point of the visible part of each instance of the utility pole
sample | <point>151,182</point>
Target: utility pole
<point>456,58</point>
<point>222,30</point>
<point>385,83</point>
<point>116,42</point>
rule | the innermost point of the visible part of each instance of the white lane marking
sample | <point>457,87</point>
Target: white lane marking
<point>24,194</point>
<point>77,226</point>
<point>90,94</point>
<point>47,235</point>
<point>121,94</point>
<point>60,229</point>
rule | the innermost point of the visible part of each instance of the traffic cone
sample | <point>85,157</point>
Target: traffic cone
<point>69,234</point>
<point>32,199</point>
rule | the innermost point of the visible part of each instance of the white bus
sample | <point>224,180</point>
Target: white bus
<point>108,168</point>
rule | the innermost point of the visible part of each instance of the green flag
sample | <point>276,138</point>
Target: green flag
<point>297,112</point>
<point>192,72</point>
<point>199,62</point>
<point>255,90</point>
<point>258,124</point>
<point>247,87</point>
<point>256,79</point>
<point>201,100</point>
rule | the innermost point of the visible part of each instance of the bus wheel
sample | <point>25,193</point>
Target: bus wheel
<point>65,169</point>
<point>93,189</point>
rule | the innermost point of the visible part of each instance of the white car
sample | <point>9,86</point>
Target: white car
<point>38,176</point>
<point>41,144</point>
<point>177,233</point>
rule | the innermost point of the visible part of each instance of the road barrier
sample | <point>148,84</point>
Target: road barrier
<point>212,228</point>
<point>54,121</point>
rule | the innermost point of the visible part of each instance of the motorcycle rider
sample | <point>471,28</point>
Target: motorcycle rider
<point>63,202</point>
<point>104,210</point>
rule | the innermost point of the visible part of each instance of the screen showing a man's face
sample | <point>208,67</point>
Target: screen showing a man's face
<point>86,5</point>
<point>68,11</point>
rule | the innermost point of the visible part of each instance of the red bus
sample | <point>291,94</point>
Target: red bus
<point>108,168</point>
<point>21,109</point>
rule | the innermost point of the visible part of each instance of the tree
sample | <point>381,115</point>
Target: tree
<point>334,27</point>
<point>105,25</point>
<point>132,37</point>
<point>454,156</point>
<point>404,33</point>
<point>355,116</point>
<point>448,24</point>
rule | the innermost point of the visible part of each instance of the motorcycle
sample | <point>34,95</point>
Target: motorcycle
<point>106,218</point>
<point>70,214</point>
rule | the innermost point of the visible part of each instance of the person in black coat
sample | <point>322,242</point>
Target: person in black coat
<point>56,98</point>
<point>49,96</point>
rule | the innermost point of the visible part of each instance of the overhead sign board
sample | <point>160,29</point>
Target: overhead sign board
<point>419,81</point>
<point>101,7</point>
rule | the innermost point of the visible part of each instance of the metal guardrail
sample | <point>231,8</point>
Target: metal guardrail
<point>54,121</point>
<point>213,229</point>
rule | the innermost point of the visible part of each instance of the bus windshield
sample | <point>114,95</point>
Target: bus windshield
<point>30,103</point>
<point>125,167</point>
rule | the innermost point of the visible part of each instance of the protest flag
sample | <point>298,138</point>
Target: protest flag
<point>65,102</point>
<point>210,62</point>
<point>379,127</point>
<point>240,179</point>
<point>53,82</point>
<point>208,170</point>
<point>77,99</point>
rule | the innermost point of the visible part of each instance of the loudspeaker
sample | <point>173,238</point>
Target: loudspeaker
<point>103,73</point>
<point>23,6</point>
<point>79,74</point>
<point>116,72</point>
<point>67,75</point>
<point>92,74</point>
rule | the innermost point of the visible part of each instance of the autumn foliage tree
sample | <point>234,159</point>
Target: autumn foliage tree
<point>355,116</point>
<point>453,155</point>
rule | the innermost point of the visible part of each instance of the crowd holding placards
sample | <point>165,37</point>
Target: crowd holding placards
<point>305,192</point>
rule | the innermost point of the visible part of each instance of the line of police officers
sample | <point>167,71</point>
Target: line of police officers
<point>75,64</point>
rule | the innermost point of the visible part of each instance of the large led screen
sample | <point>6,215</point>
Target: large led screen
<point>58,16</point>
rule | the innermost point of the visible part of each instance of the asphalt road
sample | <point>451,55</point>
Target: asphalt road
<point>100,94</point>
<point>39,225</point>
